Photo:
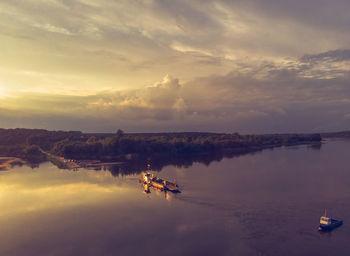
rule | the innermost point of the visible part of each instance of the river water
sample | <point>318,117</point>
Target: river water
<point>266,203</point>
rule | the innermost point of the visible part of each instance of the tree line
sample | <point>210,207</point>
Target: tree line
<point>26,143</point>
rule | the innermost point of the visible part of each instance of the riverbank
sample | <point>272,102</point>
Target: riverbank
<point>73,150</point>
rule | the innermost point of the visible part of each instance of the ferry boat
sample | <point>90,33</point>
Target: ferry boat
<point>328,224</point>
<point>158,183</point>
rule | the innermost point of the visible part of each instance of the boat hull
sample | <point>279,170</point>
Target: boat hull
<point>157,185</point>
<point>334,224</point>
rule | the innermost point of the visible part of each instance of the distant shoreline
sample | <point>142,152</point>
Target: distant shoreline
<point>76,149</point>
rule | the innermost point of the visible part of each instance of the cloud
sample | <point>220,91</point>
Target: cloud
<point>180,105</point>
<point>53,29</point>
<point>130,43</point>
<point>236,65</point>
<point>264,97</point>
<point>333,56</point>
<point>188,49</point>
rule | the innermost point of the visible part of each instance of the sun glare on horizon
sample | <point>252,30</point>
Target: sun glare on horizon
<point>2,91</point>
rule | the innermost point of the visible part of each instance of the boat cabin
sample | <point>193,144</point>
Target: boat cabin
<point>325,220</point>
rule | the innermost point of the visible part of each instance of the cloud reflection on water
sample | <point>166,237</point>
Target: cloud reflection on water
<point>23,190</point>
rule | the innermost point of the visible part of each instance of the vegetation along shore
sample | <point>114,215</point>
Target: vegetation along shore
<point>37,145</point>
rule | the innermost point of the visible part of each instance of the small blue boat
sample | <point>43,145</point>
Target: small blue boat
<point>328,224</point>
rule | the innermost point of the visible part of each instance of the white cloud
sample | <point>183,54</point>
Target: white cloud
<point>53,29</point>
<point>188,49</point>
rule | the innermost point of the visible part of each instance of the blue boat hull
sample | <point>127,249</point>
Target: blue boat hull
<point>334,224</point>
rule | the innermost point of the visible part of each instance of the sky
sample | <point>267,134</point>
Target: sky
<point>247,66</point>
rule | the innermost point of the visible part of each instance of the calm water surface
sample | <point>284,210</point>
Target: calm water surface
<point>267,203</point>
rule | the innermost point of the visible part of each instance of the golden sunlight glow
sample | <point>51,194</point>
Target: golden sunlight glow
<point>2,91</point>
<point>58,196</point>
